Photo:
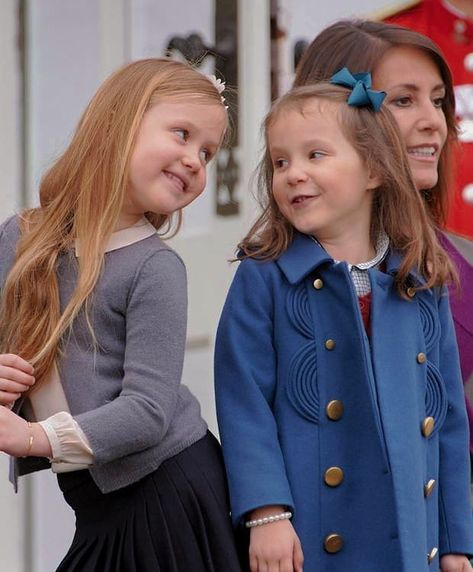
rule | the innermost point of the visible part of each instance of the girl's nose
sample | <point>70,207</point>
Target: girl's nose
<point>191,160</point>
<point>296,174</point>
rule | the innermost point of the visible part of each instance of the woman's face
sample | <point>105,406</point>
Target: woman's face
<point>415,94</point>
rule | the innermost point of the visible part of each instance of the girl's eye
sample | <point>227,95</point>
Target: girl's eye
<point>316,155</point>
<point>280,163</point>
<point>205,156</point>
<point>182,134</point>
<point>439,101</point>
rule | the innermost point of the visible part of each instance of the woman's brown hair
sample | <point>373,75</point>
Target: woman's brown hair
<point>81,198</point>
<point>359,45</point>
<point>398,208</point>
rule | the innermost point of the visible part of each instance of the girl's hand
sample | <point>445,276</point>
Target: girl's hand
<point>16,376</point>
<point>274,547</point>
<point>455,563</point>
<point>15,436</point>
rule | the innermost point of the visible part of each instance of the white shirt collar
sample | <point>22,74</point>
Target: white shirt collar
<point>126,236</point>
<point>382,246</point>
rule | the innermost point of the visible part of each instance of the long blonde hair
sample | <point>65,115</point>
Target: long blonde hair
<point>398,208</point>
<point>81,198</point>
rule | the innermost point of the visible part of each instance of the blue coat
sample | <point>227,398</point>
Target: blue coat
<point>316,416</point>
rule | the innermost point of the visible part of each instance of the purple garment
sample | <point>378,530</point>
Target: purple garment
<point>461,302</point>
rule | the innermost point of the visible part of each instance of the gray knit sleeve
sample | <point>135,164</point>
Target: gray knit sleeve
<point>9,234</point>
<point>156,314</point>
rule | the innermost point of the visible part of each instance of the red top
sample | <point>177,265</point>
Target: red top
<point>365,307</point>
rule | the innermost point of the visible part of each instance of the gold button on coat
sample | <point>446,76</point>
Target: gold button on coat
<point>334,410</point>
<point>428,425</point>
<point>318,283</point>
<point>429,487</point>
<point>333,543</point>
<point>421,357</point>
<point>432,554</point>
<point>333,476</point>
<point>329,344</point>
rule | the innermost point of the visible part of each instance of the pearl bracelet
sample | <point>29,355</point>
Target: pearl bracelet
<point>268,519</point>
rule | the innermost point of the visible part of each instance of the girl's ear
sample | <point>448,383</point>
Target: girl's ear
<point>374,179</point>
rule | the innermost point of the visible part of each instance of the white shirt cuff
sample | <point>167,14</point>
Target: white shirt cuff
<point>70,447</point>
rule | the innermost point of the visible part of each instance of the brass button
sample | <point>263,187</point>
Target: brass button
<point>329,344</point>
<point>429,487</point>
<point>333,543</point>
<point>421,357</point>
<point>333,476</point>
<point>432,554</point>
<point>411,292</point>
<point>334,409</point>
<point>428,425</point>
<point>318,283</point>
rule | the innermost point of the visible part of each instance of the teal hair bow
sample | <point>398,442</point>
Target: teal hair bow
<point>361,93</point>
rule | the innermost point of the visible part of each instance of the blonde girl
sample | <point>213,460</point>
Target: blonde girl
<point>93,321</point>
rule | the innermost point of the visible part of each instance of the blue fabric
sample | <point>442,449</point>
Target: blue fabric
<point>361,94</point>
<point>274,378</point>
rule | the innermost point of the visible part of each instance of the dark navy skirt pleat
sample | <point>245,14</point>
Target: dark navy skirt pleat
<point>174,520</point>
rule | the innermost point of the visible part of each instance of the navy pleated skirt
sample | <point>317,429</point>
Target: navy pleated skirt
<point>174,520</point>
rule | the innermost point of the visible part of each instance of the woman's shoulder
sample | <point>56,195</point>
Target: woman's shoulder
<point>458,246</point>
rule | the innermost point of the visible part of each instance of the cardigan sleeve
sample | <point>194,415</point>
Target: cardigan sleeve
<point>245,382</point>
<point>455,510</point>
<point>156,313</point>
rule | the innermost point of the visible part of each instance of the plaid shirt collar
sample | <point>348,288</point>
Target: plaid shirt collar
<point>382,247</point>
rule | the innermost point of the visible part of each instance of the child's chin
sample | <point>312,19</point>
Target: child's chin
<point>306,229</point>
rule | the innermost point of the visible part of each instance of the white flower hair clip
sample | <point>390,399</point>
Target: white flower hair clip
<point>219,86</point>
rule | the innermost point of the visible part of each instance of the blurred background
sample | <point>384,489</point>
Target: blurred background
<point>54,54</point>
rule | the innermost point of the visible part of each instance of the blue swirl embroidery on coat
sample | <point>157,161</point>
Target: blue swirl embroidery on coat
<point>430,324</point>
<point>436,400</point>
<point>297,304</point>
<point>301,388</point>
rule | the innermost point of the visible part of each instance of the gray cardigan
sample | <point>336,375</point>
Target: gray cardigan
<point>126,393</point>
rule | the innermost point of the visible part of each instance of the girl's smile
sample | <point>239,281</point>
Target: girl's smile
<point>302,200</point>
<point>180,181</point>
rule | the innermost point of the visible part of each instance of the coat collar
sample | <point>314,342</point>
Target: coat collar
<point>304,255</point>
<point>393,261</point>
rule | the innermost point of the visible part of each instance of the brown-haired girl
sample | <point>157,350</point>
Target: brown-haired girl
<point>410,68</point>
<point>339,396</point>
<point>95,301</point>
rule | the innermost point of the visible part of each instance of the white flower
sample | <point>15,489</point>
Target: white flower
<point>217,83</point>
